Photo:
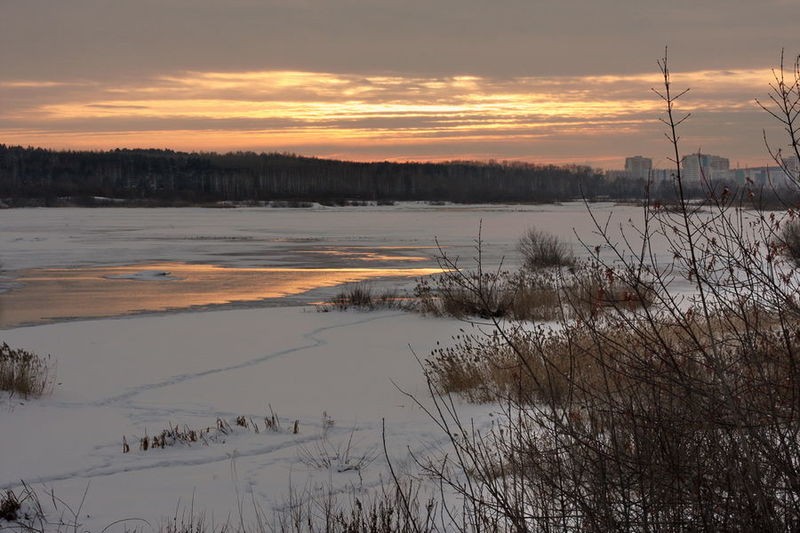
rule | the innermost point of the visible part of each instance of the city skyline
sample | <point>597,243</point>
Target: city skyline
<point>566,82</point>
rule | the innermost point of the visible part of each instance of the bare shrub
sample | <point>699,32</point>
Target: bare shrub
<point>789,238</point>
<point>635,418</point>
<point>596,288</point>
<point>24,373</point>
<point>543,250</point>
<point>679,415</point>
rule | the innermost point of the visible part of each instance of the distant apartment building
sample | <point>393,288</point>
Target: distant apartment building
<point>773,176</point>
<point>769,176</point>
<point>696,167</point>
<point>638,167</point>
<point>662,174</point>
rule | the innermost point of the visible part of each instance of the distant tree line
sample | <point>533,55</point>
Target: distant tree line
<point>169,177</point>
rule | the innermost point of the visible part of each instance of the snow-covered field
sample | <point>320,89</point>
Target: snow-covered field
<point>140,375</point>
<point>337,374</point>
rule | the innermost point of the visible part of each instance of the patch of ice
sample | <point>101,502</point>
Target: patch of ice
<point>146,275</point>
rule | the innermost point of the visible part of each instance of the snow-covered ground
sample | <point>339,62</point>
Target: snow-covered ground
<point>135,376</point>
<point>338,374</point>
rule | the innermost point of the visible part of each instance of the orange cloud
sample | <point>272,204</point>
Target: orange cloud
<point>331,113</point>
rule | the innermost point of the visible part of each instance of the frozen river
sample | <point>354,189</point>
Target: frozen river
<point>79,263</point>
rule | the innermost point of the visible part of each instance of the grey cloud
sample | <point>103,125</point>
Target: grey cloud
<point>97,38</point>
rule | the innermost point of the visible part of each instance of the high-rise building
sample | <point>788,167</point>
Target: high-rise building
<point>638,167</point>
<point>699,166</point>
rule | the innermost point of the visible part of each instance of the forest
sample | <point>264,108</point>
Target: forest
<point>36,176</point>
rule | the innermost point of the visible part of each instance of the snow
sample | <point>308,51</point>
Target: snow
<point>135,375</point>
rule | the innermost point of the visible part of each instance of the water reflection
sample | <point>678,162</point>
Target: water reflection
<point>50,294</point>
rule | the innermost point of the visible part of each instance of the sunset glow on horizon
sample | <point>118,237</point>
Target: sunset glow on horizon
<point>545,82</point>
<point>358,117</point>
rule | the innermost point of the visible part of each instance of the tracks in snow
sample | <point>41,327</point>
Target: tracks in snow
<point>108,455</point>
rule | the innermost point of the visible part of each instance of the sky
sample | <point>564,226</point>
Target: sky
<point>545,81</point>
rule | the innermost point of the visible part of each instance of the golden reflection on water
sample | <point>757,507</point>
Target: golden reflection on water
<point>51,294</point>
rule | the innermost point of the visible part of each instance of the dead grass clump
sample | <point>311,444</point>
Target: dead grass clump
<point>542,250</point>
<point>186,436</point>
<point>358,296</point>
<point>580,363</point>
<point>529,365</point>
<point>503,294</point>
<point>24,373</point>
<point>529,295</point>
<point>361,296</point>
<point>172,436</point>
<point>9,506</point>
